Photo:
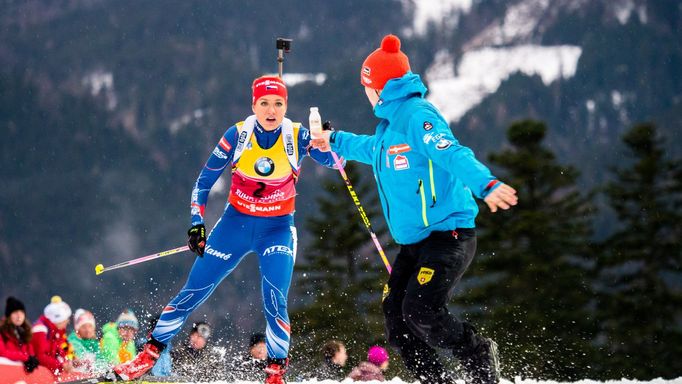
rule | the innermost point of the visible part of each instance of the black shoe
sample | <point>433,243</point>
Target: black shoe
<point>481,363</point>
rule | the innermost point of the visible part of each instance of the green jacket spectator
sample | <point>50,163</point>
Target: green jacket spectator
<point>118,339</point>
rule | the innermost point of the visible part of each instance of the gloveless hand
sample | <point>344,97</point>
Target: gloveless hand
<point>503,197</point>
<point>321,141</point>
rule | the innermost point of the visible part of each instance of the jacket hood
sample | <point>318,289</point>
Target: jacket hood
<point>396,91</point>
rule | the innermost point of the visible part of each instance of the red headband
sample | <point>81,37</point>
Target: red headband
<point>268,85</point>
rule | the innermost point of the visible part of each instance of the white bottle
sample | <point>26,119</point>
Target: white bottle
<point>315,123</point>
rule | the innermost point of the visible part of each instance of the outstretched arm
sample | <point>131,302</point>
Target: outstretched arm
<point>350,146</point>
<point>306,149</point>
<point>431,136</point>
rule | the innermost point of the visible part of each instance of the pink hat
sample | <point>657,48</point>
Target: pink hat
<point>377,355</point>
<point>82,317</point>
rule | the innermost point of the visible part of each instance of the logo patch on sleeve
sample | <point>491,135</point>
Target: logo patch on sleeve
<point>400,163</point>
<point>225,145</point>
<point>427,125</point>
<point>425,275</point>
<point>400,148</point>
<point>443,144</point>
<point>432,137</point>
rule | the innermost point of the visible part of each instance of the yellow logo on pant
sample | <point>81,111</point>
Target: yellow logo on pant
<point>425,275</point>
<point>387,290</point>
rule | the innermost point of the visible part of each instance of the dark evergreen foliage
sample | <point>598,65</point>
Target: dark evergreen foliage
<point>531,280</point>
<point>640,295</point>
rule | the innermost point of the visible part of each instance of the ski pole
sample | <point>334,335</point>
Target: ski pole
<point>365,219</point>
<point>99,268</point>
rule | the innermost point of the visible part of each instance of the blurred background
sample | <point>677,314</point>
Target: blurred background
<point>109,109</point>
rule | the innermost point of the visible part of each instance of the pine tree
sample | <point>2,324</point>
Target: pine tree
<point>530,284</point>
<point>639,305</point>
<point>343,275</point>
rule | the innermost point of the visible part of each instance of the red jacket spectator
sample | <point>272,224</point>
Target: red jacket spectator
<point>49,336</point>
<point>13,348</point>
<point>15,334</point>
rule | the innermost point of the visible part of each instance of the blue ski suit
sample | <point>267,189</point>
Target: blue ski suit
<point>272,238</point>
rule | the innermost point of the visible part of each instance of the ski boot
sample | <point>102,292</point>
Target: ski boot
<point>141,364</point>
<point>481,362</point>
<point>275,370</point>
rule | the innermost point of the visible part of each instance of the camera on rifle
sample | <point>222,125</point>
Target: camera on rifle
<point>284,44</point>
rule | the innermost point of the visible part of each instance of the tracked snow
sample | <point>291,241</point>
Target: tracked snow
<point>480,72</point>
<point>502,381</point>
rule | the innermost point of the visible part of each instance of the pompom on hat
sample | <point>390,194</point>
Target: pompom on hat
<point>57,311</point>
<point>377,355</point>
<point>82,317</point>
<point>386,63</point>
<point>268,85</point>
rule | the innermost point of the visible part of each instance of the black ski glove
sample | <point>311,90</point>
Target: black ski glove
<point>197,239</point>
<point>327,126</point>
<point>31,364</point>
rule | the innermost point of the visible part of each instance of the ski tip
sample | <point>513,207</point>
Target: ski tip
<point>99,268</point>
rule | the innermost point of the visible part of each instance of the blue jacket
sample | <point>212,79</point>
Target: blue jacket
<point>425,177</point>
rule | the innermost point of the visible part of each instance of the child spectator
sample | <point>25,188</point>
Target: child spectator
<point>249,366</point>
<point>373,368</point>
<point>118,339</point>
<point>49,337</point>
<point>84,342</point>
<point>15,335</point>
<point>196,358</point>
<point>335,356</point>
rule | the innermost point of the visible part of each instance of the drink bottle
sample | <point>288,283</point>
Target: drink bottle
<point>315,123</point>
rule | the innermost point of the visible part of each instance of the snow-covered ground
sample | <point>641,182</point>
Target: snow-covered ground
<point>506,46</point>
<point>442,12</point>
<point>503,381</point>
<point>480,72</point>
<point>293,79</point>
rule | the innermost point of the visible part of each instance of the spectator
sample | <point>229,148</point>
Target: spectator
<point>118,339</point>
<point>335,356</point>
<point>15,335</point>
<point>195,358</point>
<point>49,337</point>
<point>250,366</point>
<point>257,349</point>
<point>84,342</point>
<point>372,369</point>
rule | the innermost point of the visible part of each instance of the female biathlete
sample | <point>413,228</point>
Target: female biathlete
<point>265,153</point>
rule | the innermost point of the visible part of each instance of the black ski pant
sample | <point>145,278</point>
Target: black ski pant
<point>422,282</point>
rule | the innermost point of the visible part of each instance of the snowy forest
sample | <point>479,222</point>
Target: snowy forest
<point>109,109</point>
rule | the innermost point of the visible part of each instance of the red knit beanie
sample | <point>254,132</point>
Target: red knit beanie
<point>268,85</point>
<point>384,64</point>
